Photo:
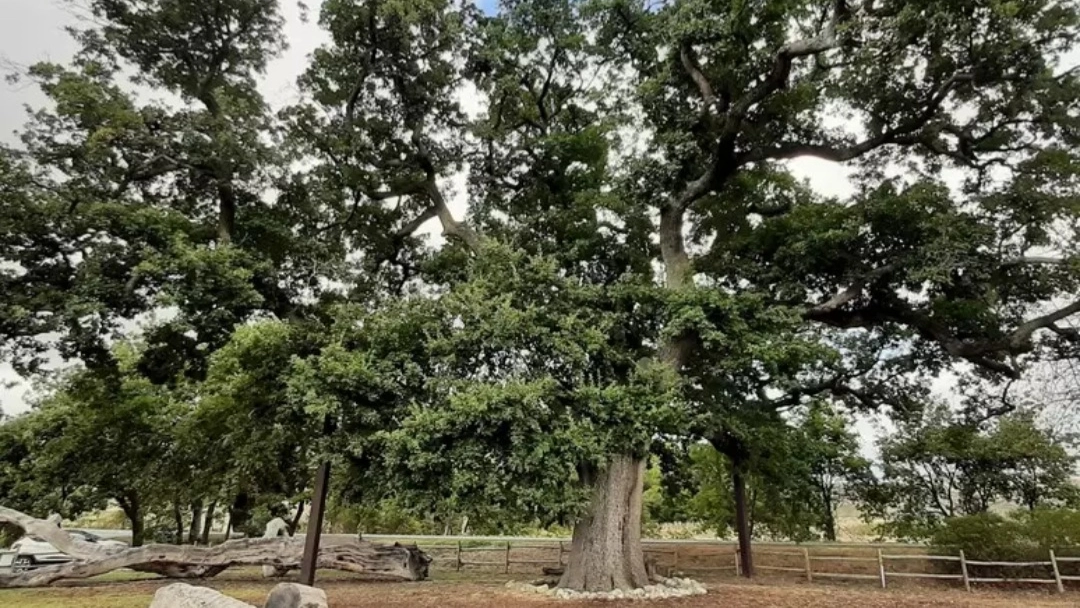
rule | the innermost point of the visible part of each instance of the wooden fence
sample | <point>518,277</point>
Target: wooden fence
<point>883,574</point>
<point>880,564</point>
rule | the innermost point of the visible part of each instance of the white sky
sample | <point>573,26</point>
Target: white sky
<point>32,31</point>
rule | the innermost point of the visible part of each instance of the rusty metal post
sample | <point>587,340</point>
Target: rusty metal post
<point>315,523</point>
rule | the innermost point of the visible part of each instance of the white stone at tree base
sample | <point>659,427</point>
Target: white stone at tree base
<point>295,595</point>
<point>664,589</point>
<point>181,595</point>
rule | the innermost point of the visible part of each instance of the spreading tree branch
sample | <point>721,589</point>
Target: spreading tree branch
<point>905,133</point>
<point>693,68</point>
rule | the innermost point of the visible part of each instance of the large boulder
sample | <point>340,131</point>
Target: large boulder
<point>180,595</point>
<point>294,595</point>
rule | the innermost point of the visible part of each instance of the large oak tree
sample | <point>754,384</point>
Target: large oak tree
<point>637,257</point>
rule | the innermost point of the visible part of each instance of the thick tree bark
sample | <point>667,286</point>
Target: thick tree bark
<point>196,522</point>
<point>138,530</point>
<point>829,512</point>
<point>606,550</point>
<point>742,521</point>
<point>391,561</point>
<point>133,510</point>
<point>226,210</point>
<point>178,521</point>
<point>204,539</point>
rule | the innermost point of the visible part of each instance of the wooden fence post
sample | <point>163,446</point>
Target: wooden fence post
<point>1057,572</point>
<point>675,561</point>
<point>562,552</point>
<point>507,571</point>
<point>881,567</point>
<point>458,556</point>
<point>964,571</point>
<point>809,570</point>
<point>738,566</point>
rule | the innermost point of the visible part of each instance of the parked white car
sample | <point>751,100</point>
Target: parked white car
<point>34,552</point>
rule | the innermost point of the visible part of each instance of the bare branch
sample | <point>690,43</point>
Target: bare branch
<point>777,210</point>
<point>1034,261</point>
<point>413,226</point>
<point>852,292</point>
<point>1021,337</point>
<point>905,133</point>
<point>785,56</point>
<point>693,68</point>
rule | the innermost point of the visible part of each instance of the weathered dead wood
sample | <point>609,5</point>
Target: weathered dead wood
<point>405,563</point>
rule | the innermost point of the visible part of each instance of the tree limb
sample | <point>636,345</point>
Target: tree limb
<point>781,69</point>
<point>852,292</point>
<point>693,68</point>
<point>904,133</point>
<point>406,563</point>
<point>415,224</point>
<point>1021,336</point>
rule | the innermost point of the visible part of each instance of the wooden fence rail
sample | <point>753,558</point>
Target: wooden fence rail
<point>884,574</point>
<point>671,557</point>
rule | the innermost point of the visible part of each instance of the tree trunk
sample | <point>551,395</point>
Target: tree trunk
<point>295,523</point>
<point>178,520</point>
<point>131,508</point>
<point>829,523</point>
<point>196,522</point>
<point>138,529</point>
<point>204,539</point>
<point>606,550</point>
<point>742,521</point>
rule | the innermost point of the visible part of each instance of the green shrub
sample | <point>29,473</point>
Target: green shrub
<point>985,536</point>
<point>384,518</point>
<point>1058,529</point>
<point>1023,536</point>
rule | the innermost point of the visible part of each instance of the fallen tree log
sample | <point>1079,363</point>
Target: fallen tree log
<point>174,561</point>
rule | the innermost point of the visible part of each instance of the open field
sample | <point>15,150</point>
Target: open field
<point>487,591</point>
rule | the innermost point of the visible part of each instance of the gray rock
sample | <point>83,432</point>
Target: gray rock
<point>293,595</point>
<point>181,595</point>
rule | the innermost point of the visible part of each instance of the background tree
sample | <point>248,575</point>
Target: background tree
<point>637,259</point>
<point>95,441</point>
<point>795,479</point>
<point>715,97</point>
<point>938,466</point>
<point>830,446</point>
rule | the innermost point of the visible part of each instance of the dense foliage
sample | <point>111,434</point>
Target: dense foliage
<point>637,264</point>
<point>935,468</point>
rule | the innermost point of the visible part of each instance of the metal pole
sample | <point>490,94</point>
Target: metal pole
<point>315,524</point>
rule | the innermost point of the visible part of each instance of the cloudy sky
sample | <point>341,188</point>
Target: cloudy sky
<point>33,30</point>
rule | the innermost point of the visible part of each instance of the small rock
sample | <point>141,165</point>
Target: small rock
<point>181,595</point>
<point>293,595</point>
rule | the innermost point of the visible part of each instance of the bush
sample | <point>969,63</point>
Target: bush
<point>1023,536</point>
<point>384,518</point>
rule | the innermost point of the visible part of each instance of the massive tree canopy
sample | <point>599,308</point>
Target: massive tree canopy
<point>635,258</point>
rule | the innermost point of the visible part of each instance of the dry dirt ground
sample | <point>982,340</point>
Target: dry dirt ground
<point>487,591</point>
